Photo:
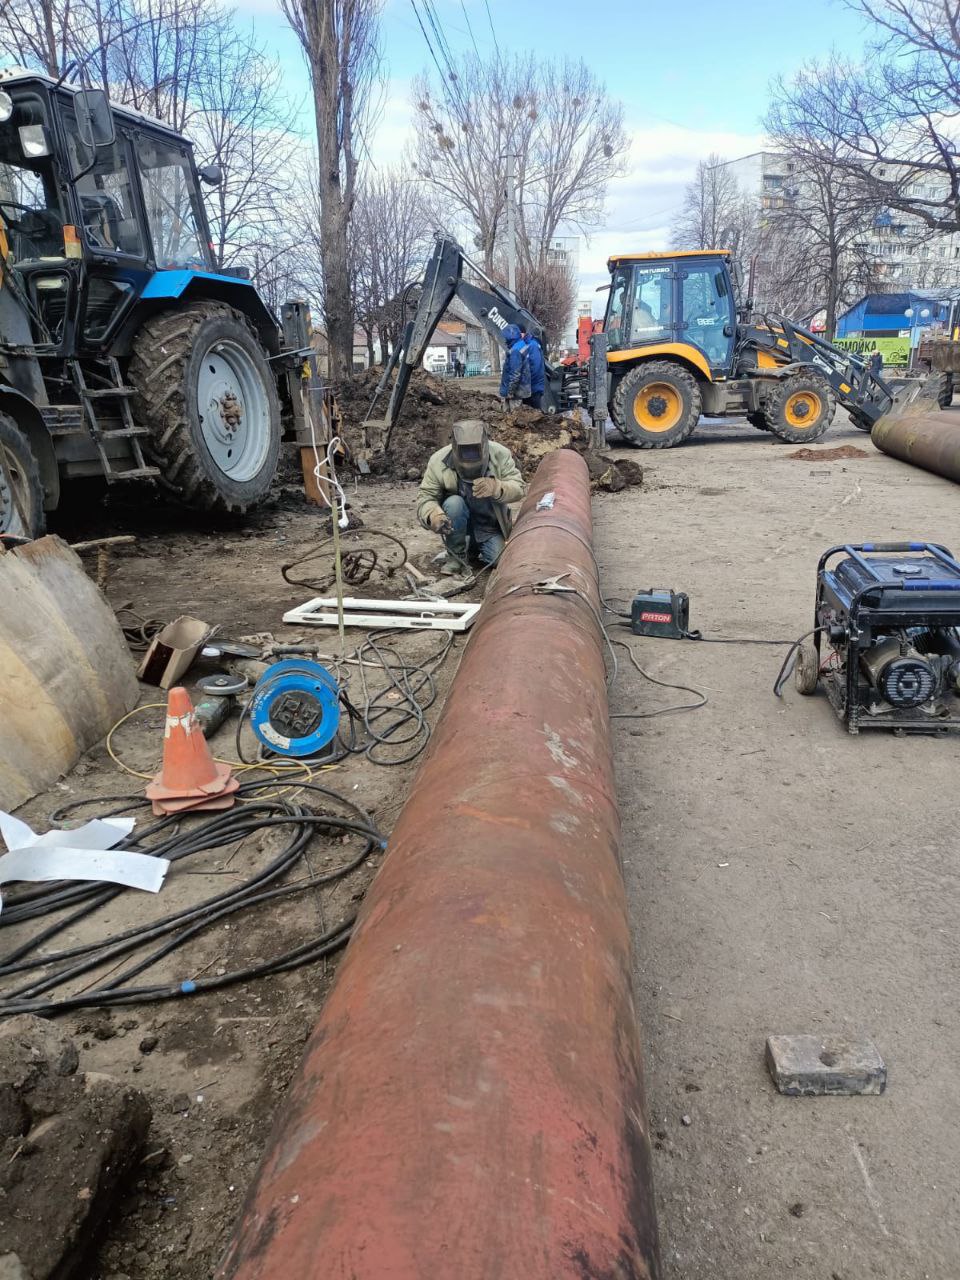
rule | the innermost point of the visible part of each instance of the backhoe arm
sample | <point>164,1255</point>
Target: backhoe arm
<point>494,307</point>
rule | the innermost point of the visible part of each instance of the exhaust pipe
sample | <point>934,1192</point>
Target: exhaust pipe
<point>471,1104</point>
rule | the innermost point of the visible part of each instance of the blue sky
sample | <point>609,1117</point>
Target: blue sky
<point>693,77</point>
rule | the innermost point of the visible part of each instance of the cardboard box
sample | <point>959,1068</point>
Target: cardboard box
<point>173,650</point>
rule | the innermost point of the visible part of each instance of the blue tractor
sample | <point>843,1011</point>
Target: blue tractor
<point>124,352</point>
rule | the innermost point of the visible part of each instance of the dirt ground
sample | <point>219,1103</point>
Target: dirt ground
<point>215,1066</point>
<point>784,877</point>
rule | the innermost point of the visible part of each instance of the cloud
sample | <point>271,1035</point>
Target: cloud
<point>643,204</point>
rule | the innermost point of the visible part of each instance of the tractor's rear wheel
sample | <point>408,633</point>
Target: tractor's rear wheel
<point>21,493</point>
<point>204,388</point>
<point>945,392</point>
<point>657,405</point>
<point>800,408</point>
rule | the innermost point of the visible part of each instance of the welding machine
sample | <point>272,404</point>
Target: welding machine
<point>887,645</point>
<point>660,613</point>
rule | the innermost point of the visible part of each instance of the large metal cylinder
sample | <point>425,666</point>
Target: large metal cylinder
<point>931,442</point>
<point>471,1105</point>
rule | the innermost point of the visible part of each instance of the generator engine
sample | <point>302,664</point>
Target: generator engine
<point>887,645</point>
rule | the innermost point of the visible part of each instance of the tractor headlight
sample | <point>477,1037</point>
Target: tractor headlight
<point>6,106</point>
<point>34,141</point>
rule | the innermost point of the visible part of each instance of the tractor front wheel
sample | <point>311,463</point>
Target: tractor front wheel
<point>657,405</point>
<point>800,408</point>
<point>204,388</point>
<point>21,493</point>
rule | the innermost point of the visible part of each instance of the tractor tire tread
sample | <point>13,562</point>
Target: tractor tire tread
<point>158,374</point>
<point>12,438</point>
<point>781,391</point>
<point>667,370</point>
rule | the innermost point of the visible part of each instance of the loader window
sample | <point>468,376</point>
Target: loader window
<point>172,202</point>
<point>616,304</point>
<point>706,310</point>
<point>640,308</point>
<point>652,316</point>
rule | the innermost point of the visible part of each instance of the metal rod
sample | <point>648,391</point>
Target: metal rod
<point>471,1103</point>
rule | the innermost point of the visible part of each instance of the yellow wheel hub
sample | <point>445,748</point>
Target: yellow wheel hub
<point>803,409</point>
<point>658,406</point>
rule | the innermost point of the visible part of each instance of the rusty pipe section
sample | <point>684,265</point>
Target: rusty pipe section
<point>471,1106</point>
<point>931,442</point>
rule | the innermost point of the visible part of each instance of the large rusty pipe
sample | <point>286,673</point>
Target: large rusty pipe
<point>470,1106</point>
<point>931,442</point>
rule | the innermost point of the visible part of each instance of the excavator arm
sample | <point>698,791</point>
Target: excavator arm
<point>494,307</point>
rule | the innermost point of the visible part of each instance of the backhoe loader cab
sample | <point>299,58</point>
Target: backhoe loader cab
<point>124,351</point>
<point>676,349</point>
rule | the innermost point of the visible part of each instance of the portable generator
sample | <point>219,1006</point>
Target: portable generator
<point>887,644</point>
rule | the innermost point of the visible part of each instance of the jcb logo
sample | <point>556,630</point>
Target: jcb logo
<point>497,318</point>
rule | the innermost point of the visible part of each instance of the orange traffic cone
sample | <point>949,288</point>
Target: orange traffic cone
<point>190,777</point>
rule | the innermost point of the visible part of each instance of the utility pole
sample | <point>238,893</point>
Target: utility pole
<point>511,223</point>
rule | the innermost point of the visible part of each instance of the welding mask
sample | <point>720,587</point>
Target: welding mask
<point>471,448</point>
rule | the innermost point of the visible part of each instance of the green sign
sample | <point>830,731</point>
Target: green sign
<point>893,350</point>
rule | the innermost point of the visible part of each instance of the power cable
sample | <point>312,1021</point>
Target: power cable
<point>664,684</point>
<point>473,38</point>
<point>164,838</point>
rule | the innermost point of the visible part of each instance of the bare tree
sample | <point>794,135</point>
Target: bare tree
<point>339,39</point>
<point>891,116</point>
<point>556,119</point>
<point>825,211</point>
<point>548,291</point>
<point>712,202</point>
<point>391,242</point>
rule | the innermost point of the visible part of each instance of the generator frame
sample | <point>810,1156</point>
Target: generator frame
<point>856,618</point>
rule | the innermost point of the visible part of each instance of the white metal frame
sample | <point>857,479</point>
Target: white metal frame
<point>374,614</point>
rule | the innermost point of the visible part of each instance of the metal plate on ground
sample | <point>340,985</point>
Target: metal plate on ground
<point>384,614</point>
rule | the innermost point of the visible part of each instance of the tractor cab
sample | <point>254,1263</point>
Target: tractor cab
<point>93,200</point>
<point>668,301</point>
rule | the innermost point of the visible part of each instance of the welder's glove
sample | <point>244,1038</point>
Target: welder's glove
<point>487,487</point>
<point>439,522</point>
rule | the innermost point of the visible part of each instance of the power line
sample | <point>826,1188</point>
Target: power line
<point>493,31</point>
<point>447,55</point>
<point>448,79</point>
<point>473,38</point>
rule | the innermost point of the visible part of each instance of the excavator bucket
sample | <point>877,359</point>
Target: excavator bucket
<point>66,675</point>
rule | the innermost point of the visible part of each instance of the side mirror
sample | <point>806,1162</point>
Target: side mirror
<point>95,123</point>
<point>211,174</point>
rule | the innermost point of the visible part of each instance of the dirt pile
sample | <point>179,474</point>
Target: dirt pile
<point>828,455</point>
<point>432,406</point>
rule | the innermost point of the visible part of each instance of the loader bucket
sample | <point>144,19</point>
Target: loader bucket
<point>914,396</point>
<point>66,675</point>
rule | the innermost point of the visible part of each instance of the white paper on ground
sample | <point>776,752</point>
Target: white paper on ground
<point>83,854</point>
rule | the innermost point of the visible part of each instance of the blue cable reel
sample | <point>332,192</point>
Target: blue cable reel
<point>295,708</point>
